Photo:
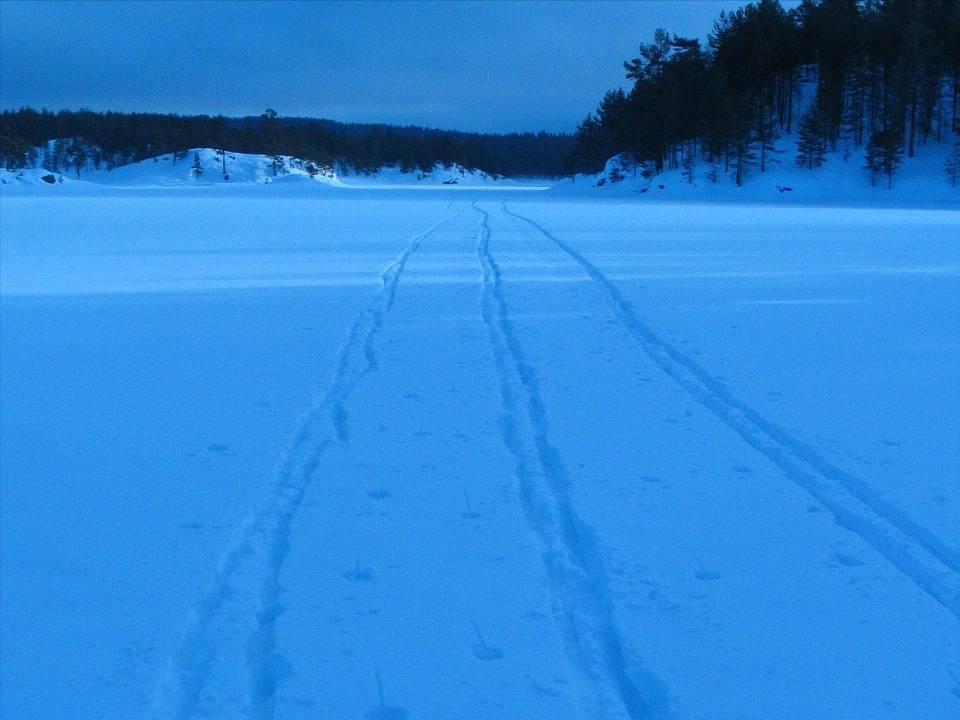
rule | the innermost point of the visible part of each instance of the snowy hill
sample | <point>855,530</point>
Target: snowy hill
<point>240,168</point>
<point>33,176</point>
<point>921,181</point>
<point>198,166</point>
<point>206,166</point>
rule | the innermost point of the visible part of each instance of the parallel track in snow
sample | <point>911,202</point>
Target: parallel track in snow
<point>262,542</point>
<point>929,562</point>
<point>573,561</point>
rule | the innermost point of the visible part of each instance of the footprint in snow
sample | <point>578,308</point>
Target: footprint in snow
<point>742,469</point>
<point>379,494</point>
<point>383,711</point>
<point>359,573</point>
<point>956,679</point>
<point>704,573</point>
<point>218,447</point>
<point>843,558</point>
<point>544,690</point>
<point>847,560</point>
<point>483,651</point>
<point>469,513</point>
<point>486,652</point>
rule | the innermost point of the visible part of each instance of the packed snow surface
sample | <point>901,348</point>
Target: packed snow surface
<point>394,455</point>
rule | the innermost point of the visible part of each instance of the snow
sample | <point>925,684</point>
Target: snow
<point>921,181</point>
<point>165,171</point>
<point>241,168</point>
<point>294,451</point>
<point>393,176</point>
<point>32,177</point>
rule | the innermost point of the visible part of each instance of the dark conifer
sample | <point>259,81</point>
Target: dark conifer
<point>811,143</point>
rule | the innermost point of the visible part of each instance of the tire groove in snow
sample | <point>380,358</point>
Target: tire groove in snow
<point>264,535</point>
<point>929,562</point>
<point>574,566</point>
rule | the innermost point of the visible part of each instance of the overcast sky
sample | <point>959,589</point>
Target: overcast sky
<point>487,66</point>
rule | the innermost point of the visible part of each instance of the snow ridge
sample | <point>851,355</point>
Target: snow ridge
<point>573,560</point>
<point>263,537</point>
<point>929,562</point>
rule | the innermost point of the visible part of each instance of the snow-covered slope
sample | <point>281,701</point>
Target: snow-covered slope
<point>166,171</point>
<point>240,168</point>
<point>33,177</point>
<point>921,181</point>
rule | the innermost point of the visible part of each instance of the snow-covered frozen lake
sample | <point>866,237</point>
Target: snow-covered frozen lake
<point>481,455</point>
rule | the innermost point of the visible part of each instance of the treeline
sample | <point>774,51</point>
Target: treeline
<point>110,139</point>
<point>883,75</point>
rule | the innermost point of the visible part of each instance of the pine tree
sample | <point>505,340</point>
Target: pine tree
<point>689,164</point>
<point>77,155</point>
<point>15,153</point>
<point>57,156</point>
<point>884,154</point>
<point>222,152</point>
<point>766,136</point>
<point>952,164</point>
<point>713,170</point>
<point>196,169</point>
<point>811,144</point>
<point>741,147</point>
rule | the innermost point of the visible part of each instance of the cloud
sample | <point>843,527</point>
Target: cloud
<point>471,66</point>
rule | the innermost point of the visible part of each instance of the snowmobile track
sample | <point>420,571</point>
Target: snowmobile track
<point>573,560</point>
<point>929,562</point>
<point>263,538</point>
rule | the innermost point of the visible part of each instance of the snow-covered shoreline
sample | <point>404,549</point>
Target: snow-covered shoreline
<point>839,183</point>
<point>209,168</point>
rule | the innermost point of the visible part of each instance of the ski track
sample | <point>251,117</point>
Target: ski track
<point>929,562</point>
<point>264,535</point>
<point>575,571</point>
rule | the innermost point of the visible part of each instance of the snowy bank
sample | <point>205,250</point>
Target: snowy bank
<point>842,180</point>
